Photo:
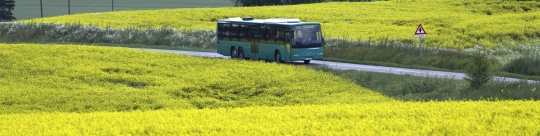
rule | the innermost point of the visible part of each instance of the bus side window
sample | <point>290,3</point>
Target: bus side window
<point>243,32</point>
<point>252,35</point>
<point>280,36</point>
<point>240,32</point>
<point>288,37</point>
<point>234,32</point>
<point>221,31</point>
<point>271,34</point>
<point>225,31</point>
<point>263,34</point>
<point>256,35</point>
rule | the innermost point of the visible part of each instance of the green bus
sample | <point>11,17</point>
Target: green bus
<point>280,39</point>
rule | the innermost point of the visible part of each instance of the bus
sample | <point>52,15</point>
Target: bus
<point>279,39</point>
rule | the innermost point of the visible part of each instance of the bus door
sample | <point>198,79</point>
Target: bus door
<point>289,35</point>
<point>254,39</point>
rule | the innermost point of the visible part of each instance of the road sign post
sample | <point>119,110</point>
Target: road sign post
<point>420,33</point>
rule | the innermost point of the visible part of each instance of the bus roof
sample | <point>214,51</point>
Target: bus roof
<point>277,21</point>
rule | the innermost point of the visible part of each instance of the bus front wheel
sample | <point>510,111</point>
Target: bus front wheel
<point>233,53</point>
<point>306,61</point>
<point>277,56</point>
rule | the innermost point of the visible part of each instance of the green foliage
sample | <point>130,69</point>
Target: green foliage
<point>478,71</point>
<point>77,33</point>
<point>6,6</point>
<point>414,88</point>
<point>526,65</point>
<point>394,52</point>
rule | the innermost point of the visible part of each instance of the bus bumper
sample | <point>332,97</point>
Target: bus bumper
<point>306,54</point>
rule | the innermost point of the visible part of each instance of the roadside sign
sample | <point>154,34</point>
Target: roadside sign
<point>420,31</point>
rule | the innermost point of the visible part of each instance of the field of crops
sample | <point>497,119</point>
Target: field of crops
<point>455,24</point>
<point>71,78</point>
<point>53,89</point>
<point>385,118</point>
<point>82,90</point>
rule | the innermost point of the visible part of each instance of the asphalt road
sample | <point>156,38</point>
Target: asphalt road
<point>360,67</point>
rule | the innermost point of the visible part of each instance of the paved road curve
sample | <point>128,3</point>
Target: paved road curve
<point>360,67</point>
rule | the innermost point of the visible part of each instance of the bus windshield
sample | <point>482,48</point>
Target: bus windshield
<point>307,36</point>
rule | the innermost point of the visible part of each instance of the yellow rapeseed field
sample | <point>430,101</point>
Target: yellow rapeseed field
<point>78,78</point>
<point>385,118</point>
<point>82,90</point>
<point>51,89</point>
<point>448,23</point>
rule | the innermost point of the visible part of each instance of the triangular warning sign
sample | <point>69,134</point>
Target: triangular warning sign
<point>420,30</point>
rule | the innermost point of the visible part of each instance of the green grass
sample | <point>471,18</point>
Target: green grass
<point>28,9</point>
<point>398,54</point>
<point>413,88</point>
<point>166,38</point>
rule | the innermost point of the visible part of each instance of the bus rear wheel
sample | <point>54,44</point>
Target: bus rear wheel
<point>307,61</point>
<point>277,56</point>
<point>233,53</point>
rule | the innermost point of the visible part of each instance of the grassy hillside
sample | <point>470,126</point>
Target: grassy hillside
<point>28,9</point>
<point>455,24</point>
<point>71,78</point>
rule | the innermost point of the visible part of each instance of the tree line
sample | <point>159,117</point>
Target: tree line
<point>6,6</point>
<point>284,2</point>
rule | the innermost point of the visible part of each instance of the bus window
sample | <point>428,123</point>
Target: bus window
<point>280,36</point>
<point>254,33</point>
<point>225,31</point>
<point>221,32</point>
<point>308,36</point>
<point>243,32</point>
<point>288,36</point>
<point>263,34</point>
<point>219,29</point>
<point>234,32</point>
<point>271,34</point>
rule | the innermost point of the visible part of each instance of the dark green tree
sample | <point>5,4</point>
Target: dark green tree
<point>478,71</point>
<point>6,6</point>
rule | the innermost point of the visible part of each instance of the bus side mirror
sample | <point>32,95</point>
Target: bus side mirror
<point>324,42</point>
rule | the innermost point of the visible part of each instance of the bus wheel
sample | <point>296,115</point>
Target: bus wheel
<point>306,61</point>
<point>240,53</point>
<point>277,56</point>
<point>233,52</point>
